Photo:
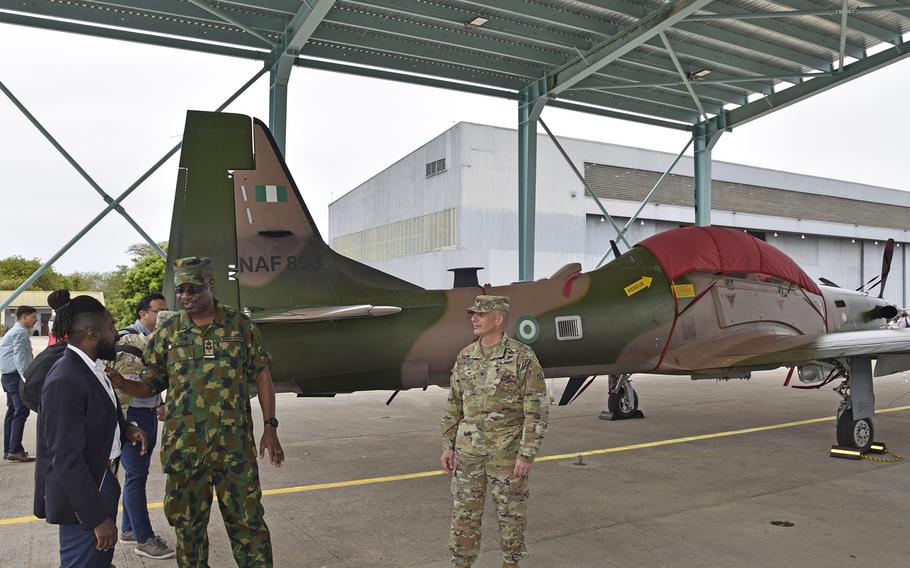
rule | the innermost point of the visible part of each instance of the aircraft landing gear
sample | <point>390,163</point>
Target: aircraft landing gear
<point>852,433</point>
<point>622,400</point>
<point>854,415</point>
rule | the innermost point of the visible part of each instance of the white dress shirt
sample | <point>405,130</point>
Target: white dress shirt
<point>97,368</point>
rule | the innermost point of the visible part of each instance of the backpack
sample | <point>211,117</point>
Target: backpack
<point>30,389</point>
<point>134,351</point>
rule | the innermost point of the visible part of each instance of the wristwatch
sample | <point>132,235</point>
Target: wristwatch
<point>273,422</point>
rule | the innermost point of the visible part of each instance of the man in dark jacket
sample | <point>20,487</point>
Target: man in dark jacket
<point>81,430</point>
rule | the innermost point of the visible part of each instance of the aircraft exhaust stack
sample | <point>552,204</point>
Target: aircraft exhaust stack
<point>880,312</point>
<point>465,277</point>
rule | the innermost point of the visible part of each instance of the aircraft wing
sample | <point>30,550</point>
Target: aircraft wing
<point>324,313</point>
<point>791,350</point>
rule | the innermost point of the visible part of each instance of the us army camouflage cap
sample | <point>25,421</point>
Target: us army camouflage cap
<point>483,304</point>
<point>192,270</point>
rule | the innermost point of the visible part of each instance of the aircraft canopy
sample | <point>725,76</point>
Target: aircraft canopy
<point>716,249</point>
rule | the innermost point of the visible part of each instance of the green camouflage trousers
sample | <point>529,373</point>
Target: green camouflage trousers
<point>469,488</point>
<point>188,501</point>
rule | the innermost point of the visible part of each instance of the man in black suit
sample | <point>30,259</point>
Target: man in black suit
<point>80,433</point>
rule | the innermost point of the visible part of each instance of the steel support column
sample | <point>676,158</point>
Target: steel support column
<point>278,105</point>
<point>530,106</point>
<point>297,33</point>
<point>705,138</point>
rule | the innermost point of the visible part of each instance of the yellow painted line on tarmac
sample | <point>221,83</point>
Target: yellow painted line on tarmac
<point>438,472</point>
<point>352,483</point>
<point>700,437</point>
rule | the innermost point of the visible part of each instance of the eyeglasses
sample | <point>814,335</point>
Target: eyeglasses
<point>193,290</point>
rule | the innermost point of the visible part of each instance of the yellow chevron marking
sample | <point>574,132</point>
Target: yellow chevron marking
<point>638,285</point>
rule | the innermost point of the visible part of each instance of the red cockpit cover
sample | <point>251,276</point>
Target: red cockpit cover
<point>715,249</point>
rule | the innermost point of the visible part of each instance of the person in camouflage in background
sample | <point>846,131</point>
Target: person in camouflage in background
<point>205,356</point>
<point>136,528</point>
<point>494,423</point>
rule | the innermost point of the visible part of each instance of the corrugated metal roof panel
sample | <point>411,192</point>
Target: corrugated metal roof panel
<point>521,41</point>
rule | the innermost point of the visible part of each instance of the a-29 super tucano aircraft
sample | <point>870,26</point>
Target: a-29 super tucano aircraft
<point>703,302</point>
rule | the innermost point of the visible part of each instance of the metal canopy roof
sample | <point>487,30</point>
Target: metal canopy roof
<point>672,63</point>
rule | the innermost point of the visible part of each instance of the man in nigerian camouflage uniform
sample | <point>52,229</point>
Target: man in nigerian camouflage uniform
<point>205,356</point>
<point>493,425</point>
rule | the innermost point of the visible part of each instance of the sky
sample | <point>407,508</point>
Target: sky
<point>117,107</point>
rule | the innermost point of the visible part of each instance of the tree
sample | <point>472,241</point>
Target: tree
<point>146,277</point>
<point>15,270</point>
<point>86,280</point>
<point>122,288</point>
<point>139,251</point>
<point>111,283</point>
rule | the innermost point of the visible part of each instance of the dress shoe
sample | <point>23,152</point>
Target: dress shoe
<point>21,457</point>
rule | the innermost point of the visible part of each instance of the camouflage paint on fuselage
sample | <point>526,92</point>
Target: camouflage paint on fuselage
<point>237,203</point>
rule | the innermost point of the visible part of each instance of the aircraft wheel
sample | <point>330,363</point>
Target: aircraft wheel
<point>623,403</point>
<point>854,434</point>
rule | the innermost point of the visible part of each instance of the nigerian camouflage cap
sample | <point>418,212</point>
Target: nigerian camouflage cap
<point>192,270</point>
<point>483,304</point>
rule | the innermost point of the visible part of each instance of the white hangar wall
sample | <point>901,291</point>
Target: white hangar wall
<point>453,203</point>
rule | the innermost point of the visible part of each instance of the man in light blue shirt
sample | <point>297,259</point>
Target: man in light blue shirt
<point>15,357</point>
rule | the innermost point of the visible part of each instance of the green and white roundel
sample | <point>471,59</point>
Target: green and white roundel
<point>527,330</point>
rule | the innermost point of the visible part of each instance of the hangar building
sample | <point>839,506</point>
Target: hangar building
<point>452,203</point>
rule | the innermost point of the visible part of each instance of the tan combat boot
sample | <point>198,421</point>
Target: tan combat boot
<point>509,565</point>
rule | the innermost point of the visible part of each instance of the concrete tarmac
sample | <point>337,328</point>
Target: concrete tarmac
<point>657,498</point>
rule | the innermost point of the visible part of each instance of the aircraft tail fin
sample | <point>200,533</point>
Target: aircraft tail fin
<point>237,203</point>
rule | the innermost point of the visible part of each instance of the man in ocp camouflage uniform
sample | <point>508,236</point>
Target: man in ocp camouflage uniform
<point>494,423</point>
<point>205,356</point>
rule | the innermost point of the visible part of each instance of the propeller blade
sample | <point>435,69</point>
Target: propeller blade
<point>886,265</point>
<point>872,283</point>
<point>572,387</point>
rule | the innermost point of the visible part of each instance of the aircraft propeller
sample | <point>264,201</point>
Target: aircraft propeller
<point>880,279</point>
<point>886,265</point>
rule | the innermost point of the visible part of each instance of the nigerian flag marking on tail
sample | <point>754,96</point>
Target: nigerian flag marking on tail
<point>272,193</point>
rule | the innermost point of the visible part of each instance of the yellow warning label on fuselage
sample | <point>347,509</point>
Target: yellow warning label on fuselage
<point>638,285</point>
<point>684,290</point>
